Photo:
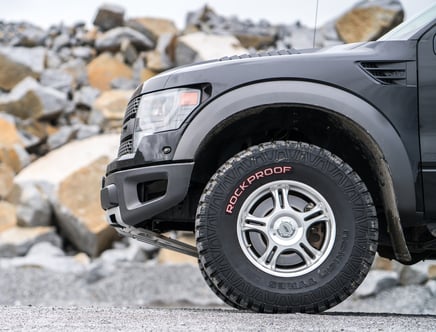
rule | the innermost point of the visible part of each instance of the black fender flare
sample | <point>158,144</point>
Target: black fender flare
<point>375,126</point>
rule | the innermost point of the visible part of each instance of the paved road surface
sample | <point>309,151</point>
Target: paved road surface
<point>31,318</point>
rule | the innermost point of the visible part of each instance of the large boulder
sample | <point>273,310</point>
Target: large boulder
<point>17,63</point>
<point>6,180</point>
<point>104,69</point>
<point>12,152</point>
<point>71,177</point>
<point>200,46</point>
<point>369,20</point>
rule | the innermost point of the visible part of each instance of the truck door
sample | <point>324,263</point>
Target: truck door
<point>427,117</point>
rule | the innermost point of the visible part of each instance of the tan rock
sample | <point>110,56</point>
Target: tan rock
<point>381,263</point>
<point>6,180</point>
<point>8,218</point>
<point>105,68</point>
<point>432,271</point>
<point>9,134</point>
<point>146,74</point>
<point>368,23</point>
<point>15,156</point>
<point>255,41</point>
<point>152,27</point>
<point>111,106</point>
<point>79,194</point>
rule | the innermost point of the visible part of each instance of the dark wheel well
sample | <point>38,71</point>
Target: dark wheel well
<point>304,123</point>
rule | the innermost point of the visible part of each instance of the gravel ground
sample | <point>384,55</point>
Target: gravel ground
<point>172,319</point>
<point>154,285</point>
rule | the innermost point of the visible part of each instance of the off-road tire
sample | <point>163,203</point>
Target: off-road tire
<point>330,258</point>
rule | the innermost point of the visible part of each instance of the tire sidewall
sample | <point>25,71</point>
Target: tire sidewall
<point>318,170</point>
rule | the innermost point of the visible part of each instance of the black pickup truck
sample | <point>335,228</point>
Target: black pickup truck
<point>293,168</point>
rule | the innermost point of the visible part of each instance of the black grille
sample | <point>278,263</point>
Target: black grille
<point>125,147</point>
<point>131,109</point>
<point>386,72</point>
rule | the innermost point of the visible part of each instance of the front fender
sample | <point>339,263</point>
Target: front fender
<point>335,100</point>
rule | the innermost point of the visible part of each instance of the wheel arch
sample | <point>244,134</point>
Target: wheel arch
<point>372,129</point>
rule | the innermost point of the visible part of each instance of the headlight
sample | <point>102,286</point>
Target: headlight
<point>164,110</point>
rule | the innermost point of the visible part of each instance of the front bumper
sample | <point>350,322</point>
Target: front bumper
<point>125,194</point>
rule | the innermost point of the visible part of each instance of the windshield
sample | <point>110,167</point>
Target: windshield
<point>408,28</point>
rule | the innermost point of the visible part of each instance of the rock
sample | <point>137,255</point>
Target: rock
<point>105,68</point>
<point>381,263</point>
<point>61,41</point>
<point>112,39</point>
<point>133,253</point>
<point>432,271</point>
<point>33,132</point>
<point>6,180</point>
<point>15,156</point>
<point>77,69</point>
<point>33,58</point>
<point>28,35</point>
<point>159,59</point>
<point>251,40</point>
<point>122,83</point>
<point>431,286</point>
<point>375,282</point>
<point>72,185</point>
<point>86,96</point>
<point>109,16</point>
<point>12,71</point>
<point>61,137</point>
<point>29,99</point>
<point>200,46</point>
<point>8,218</point>
<point>369,20</point>
<point>17,241</point>
<point>45,249</point>
<point>32,205</point>
<point>153,28</point>
<point>9,134</point>
<point>83,52</point>
<point>85,131</point>
<point>110,107</point>
<point>129,52</point>
<point>416,274</point>
<point>57,79</point>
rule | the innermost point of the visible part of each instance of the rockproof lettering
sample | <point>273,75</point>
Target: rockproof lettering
<point>244,185</point>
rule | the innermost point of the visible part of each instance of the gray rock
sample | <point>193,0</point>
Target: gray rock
<point>109,16</point>
<point>83,52</point>
<point>45,249</point>
<point>431,286</point>
<point>112,39</point>
<point>123,83</point>
<point>17,241</point>
<point>33,207</point>
<point>77,69</point>
<point>86,96</point>
<point>61,41</point>
<point>33,57</point>
<point>57,79</point>
<point>53,60</point>
<point>377,281</point>
<point>128,51</point>
<point>61,137</point>
<point>416,274</point>
<point>85,131</point>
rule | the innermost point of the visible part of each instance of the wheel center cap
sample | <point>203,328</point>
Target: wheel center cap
<point>286,228</point>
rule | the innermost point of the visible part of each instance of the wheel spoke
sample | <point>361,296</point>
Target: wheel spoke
<point>280,198</point>
<point>314,216</point>
<point>270,256</point>
<point>308,253</point>
<point>253,223</point>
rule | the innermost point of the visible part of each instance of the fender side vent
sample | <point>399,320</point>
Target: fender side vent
<point>386,72</point>
<point>125,147</point>
<point>260,54</point>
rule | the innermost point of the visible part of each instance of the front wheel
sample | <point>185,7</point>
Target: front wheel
<point>285,227</point>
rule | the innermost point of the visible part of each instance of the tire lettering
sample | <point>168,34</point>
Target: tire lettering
<point>292,285</point>
<point>240,189</point>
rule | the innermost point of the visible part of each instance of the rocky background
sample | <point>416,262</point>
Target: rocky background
<point>63,92</point>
